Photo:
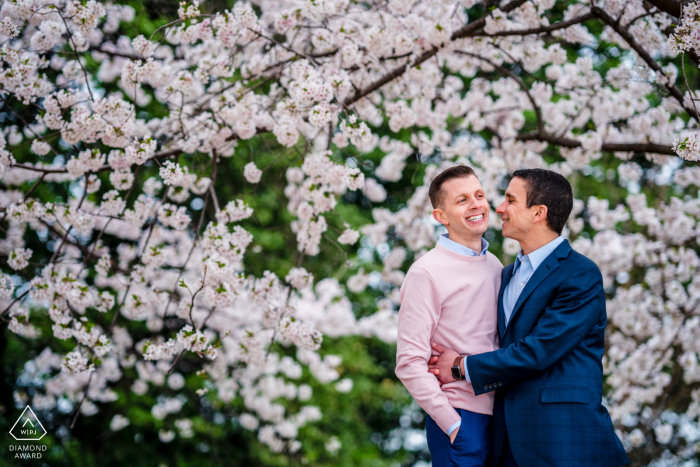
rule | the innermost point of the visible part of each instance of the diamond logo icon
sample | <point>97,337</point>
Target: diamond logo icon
<point>28,427</point>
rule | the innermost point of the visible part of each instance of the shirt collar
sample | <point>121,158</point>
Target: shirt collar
<point>538,256</point>
<point>451,245</point>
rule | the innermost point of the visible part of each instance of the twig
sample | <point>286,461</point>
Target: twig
<point>643,54</point>
<point>286,302</point>
<point>154,220</point>
<point>175,362</point>
<point>196,233</point>
<point>69,227</point>
<point>204,278</point>
<point>77,57</point>
<point>692,96</point>
<point>77,411</point>
<point>213,198</point>
<point>207,318</point>
<point>13,302</point>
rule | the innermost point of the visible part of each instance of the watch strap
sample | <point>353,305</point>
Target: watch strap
<point>459,369</point>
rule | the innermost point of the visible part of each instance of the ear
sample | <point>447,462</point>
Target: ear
<point>540,214</point>
<point>439,215</point>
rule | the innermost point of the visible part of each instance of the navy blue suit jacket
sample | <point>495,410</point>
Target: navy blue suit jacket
<point>548,373</point>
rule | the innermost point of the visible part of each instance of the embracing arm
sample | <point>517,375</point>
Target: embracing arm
<point>578,306</point>
<point>421,301</point>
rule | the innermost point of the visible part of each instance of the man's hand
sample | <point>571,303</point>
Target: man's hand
<point>453,435</point>
<point>441,366</point>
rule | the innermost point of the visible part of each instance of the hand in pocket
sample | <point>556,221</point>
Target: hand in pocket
<point>453,435</point>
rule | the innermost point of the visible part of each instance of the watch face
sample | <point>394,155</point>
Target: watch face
<point>456,373</point>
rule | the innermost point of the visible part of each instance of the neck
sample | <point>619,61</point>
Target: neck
<point>535,242</point>
<point>473,242</point>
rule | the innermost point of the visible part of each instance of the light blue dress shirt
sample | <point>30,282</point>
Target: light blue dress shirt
<point>525,266</point>
<point>451,245</point>
<point>458,248</point>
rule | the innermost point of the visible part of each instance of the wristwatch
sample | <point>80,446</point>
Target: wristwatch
<point>456,370</point>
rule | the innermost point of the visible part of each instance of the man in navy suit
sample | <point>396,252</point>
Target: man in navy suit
<point>548,373</point>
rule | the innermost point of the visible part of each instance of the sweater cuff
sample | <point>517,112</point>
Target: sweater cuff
<point>445,417</point>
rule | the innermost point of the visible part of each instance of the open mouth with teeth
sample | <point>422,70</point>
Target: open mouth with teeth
<point>477,218</point>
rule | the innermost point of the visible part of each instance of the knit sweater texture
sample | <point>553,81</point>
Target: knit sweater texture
<point>450,299</point>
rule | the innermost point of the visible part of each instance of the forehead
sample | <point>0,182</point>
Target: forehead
<point>516,188</point>
<point>461,185</point>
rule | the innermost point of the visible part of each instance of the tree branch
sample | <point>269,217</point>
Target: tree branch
<point>398,71</point>
<point>544,29</point>
<point>643,54</point>
<point>116,54</point>
<point>542,135</point>
<point>611,147</point>
<point>672,7</point>
<point>172,152</point>
<point>540,124</point>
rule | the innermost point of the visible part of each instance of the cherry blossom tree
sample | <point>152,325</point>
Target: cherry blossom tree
<point>125,231</point>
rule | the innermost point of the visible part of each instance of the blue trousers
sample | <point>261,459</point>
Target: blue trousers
<point>470,448</point>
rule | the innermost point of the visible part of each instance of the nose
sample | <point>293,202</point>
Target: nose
<point>473,204</point>
<point>501,209</point>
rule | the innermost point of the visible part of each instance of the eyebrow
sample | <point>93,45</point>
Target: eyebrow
<point>467,194</point>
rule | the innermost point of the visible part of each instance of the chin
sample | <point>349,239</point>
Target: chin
<point>478,230</point>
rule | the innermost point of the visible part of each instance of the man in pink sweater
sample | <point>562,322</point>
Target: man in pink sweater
<point>447,294</point>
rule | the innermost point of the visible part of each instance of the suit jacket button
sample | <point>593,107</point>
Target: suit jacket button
<point>500,384</point>
<point>486,387</point>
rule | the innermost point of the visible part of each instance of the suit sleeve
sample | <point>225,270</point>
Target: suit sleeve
<point>578,306</point>
<point>421,302</point>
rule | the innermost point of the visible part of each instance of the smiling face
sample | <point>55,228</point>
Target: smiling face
<point>463,209</point>
<point>517,218</point>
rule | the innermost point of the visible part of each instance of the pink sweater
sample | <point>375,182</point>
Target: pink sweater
<point>450,299</point>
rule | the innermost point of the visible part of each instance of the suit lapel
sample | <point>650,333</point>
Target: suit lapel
<point>548,266</point>
<point>505,279</point>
